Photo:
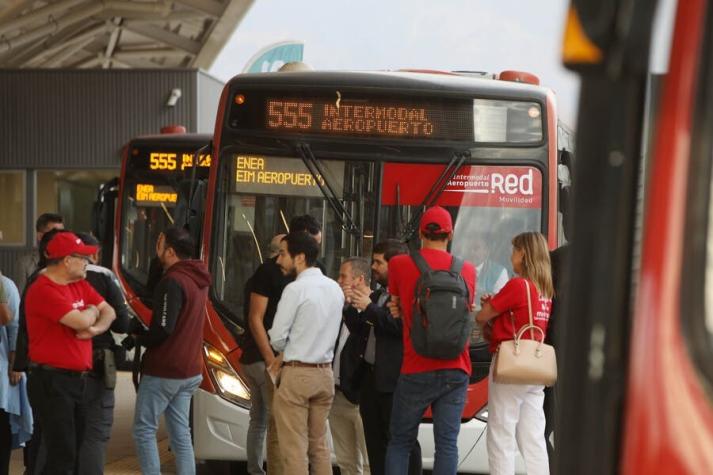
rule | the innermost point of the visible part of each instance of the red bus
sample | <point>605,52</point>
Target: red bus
<point>636,387</point>
<point>365,152</point>
<point>163,182</point>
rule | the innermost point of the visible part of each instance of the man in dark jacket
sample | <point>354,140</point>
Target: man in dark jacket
<point>171,366</point>
<point>99,390</point>
<point>376,337</point>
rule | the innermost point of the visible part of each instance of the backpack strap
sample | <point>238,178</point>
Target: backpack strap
<point>457,264</point>
<point>420,262</point>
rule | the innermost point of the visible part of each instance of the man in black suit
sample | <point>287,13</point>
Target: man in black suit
<point>376,340</point>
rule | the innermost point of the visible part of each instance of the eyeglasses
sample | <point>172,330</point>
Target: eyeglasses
<point>79,256</point>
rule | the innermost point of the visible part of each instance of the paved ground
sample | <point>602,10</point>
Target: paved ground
<point>120,451</point>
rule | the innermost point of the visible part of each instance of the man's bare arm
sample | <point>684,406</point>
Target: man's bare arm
<point>256,318</point>
<point>102,324</point>
<point>80,319</point>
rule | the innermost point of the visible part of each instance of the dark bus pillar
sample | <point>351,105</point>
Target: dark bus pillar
<point>103,219</point>
<point>607,43</point>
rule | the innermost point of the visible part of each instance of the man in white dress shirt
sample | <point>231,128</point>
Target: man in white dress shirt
<point>305,330</point>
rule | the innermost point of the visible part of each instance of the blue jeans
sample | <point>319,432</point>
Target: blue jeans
<point>171,397</point>
<point>255,376</point>
<point>445,391</point>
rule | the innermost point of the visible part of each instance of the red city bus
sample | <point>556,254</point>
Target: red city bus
<point>636,387</point>
<point>365,153</point>
<point>163,182</point>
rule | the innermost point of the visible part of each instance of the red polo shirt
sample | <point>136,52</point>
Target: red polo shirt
<point>403,275</point>
<point>51,342</point>
<point>513,298</point>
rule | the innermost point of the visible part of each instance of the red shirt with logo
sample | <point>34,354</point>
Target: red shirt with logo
<point>51,342</point>
<point>511,305</point>
<point>403,275</point>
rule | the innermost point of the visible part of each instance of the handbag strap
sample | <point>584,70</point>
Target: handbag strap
<point>529,309</point>
<point>517,334</point>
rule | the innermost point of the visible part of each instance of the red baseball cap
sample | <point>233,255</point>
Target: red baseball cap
<point>64,244</point>
<point>438,216</point>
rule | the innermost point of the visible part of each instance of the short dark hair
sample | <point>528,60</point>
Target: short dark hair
<point>181,241</point>
<point>432,235</point>
<point>88,239</point>
<point>301,242</point>
<point>360,267</point>
<point>47,218</point>
<point>305,223</point>
<point>42,248</point>
<point>390,248</point>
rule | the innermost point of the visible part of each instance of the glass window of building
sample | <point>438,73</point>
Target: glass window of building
<point>12,211</point>
<point>71,193</point>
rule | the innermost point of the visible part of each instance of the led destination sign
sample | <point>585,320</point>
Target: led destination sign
<point>434,119</point>
<point>383,120</point>
<point>176,161</point>
<point>153,195</point>
<point>283,176</point>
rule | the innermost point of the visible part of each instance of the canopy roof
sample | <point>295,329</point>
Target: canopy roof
<point>116,33</point>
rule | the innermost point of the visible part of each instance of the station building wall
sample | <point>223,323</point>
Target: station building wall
<point>61,135</point>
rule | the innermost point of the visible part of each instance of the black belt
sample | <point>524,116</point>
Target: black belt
<point>64,371</point>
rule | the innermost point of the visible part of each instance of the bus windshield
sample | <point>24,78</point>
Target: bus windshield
<point>489,206</point>
<point>157,188</point>
<point>260,194</point>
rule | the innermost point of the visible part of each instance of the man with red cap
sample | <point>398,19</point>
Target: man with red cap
<point>63,313</point>
<point>440,383</point>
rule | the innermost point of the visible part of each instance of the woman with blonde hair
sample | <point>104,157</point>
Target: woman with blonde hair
<point>515,415</point>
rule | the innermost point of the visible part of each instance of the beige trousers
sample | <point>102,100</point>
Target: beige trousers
<point>348,436</point>
<point>301,407</point>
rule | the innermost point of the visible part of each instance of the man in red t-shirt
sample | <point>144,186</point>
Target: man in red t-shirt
<point>425,382</point>
<point>63,313</point>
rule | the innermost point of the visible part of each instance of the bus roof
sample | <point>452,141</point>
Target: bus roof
<point>393,80</point>
<point>177,139</point>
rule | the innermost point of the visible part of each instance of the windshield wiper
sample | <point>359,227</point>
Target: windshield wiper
<point>317,172</point>
<point>432,196</point>
<point>194,182</point>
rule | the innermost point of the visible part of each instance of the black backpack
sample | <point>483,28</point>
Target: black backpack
<point>442,322</point>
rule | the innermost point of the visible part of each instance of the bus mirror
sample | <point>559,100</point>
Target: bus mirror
<point>564,177</point>
<point>102,219</point>
<point>564,157</point>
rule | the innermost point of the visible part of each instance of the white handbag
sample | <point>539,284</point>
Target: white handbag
<point>521,361</point>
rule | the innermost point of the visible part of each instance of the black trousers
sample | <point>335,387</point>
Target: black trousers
<point>99,419</point>
<point>57,400</point>
<point>375,409</point>
<point>5,443</point>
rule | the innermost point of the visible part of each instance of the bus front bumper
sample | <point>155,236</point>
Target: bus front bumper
<point>219,428</point>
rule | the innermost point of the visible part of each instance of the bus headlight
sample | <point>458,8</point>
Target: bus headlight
<point>229,383</point>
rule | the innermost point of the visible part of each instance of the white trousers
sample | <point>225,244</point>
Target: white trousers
<point>516,420</point>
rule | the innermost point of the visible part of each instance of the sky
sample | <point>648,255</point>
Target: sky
<point>479,35</point>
